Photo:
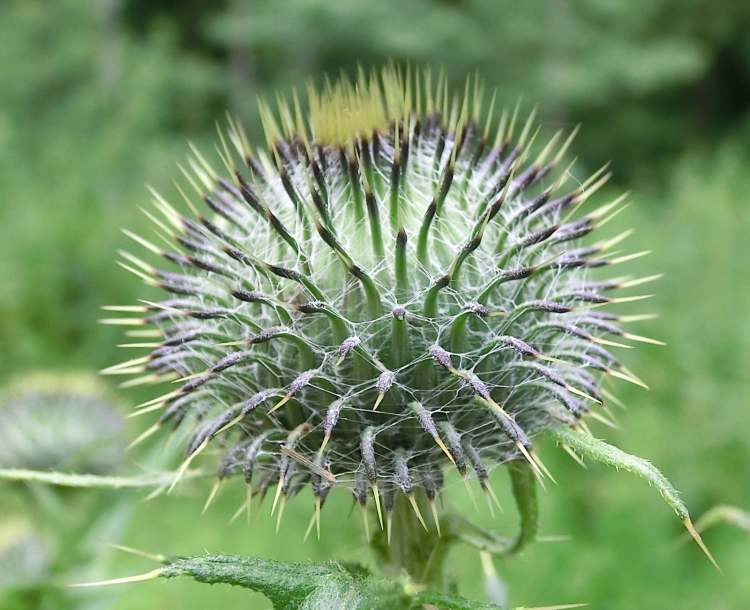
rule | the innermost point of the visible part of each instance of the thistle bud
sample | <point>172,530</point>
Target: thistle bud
<point>401,278</point>
<point>52,421</point>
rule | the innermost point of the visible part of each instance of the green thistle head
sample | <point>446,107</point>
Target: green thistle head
<point>393,288</point>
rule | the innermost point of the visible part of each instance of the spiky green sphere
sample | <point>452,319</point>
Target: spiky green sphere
<point>56,421</point>
<point>395,286</point>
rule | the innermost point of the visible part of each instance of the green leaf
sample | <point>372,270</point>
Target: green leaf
<point>306,586</point>
<point>431,599</point>
<point>598,450</point>
<point>295,586</point>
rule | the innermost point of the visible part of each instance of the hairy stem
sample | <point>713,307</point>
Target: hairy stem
<point>524,491</point>
<point>413,550</point>
<point>63,479</point>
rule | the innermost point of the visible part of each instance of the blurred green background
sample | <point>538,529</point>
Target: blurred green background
<point>98,98</point>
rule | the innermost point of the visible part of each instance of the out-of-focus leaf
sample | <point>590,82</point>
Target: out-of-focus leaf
<point>724,514</point>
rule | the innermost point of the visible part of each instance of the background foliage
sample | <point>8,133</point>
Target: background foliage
<point>98,98</point>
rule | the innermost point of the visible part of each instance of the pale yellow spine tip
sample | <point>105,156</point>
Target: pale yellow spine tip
<point>470,493</point>
<point>121,581</point>
<point>699,541</point>
<point>376,496</point>
<point>281,403</point>
<point>435,518</point>
<point>417,512</point>
<point>211,495</point>
<point>282,505</point>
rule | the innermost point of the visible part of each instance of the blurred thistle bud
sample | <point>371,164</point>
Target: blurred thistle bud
<point>392,288</point>
<point>56,421</point>
<point>24,557</point>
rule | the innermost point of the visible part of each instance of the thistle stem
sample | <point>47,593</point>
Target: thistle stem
<point>523,484</point>
<point>420,554</point>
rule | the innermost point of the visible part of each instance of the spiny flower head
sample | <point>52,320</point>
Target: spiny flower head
<point>394,287</point>
<point>55,421</point>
